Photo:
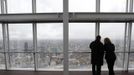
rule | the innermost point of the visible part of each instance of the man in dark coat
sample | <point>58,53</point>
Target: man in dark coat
<point>97,53</point>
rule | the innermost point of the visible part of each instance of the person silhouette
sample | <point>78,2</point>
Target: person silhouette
<point>97,53</point>
<point>110,56</point>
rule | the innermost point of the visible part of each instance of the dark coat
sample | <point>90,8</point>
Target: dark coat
<point>110,55</point>
<point>97,53</point>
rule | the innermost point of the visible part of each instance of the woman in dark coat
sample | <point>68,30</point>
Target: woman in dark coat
<point>109,55</point>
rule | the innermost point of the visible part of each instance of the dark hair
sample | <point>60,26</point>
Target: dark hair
<point>107,40</point>
<point>98,37</point>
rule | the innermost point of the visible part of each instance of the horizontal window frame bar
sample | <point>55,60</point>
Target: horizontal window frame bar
<point>62,52</point>
<point>73,17</point>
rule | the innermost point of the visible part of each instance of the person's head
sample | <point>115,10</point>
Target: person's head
<point>107,40</point>
<point>98,37</point>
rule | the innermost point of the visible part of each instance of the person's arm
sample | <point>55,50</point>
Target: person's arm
<point>91,45</point>
<point>113,47</point>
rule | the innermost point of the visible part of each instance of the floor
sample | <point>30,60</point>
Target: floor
<point>59,73</point>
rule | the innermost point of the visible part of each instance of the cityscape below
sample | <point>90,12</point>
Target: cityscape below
<point>49,54</point>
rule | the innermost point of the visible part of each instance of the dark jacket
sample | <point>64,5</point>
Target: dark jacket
<point>109,49</point>
<point>97,53</point>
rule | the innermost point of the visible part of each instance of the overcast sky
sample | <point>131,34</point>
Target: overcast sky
<point>76,30</point>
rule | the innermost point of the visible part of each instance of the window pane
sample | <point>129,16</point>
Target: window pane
<point>131,61</point>
<point>132,39</point>
<point>21,61</point>
<point>113,5</point>
<point>115,31</point>
<point>80,36</point>
<point>1,39</point>
<point>79,60</point>
<point>0,7</point>
<point>118,63</point>
<point>20,36</point>
<point>49,6</point>
<point>50,61</point>
<point>19,6</point>
<point>131,57</point>
<point>50,40</point>
<point>82,5</point>
<point>2,61</point>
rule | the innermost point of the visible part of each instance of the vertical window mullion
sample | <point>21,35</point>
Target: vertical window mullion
<point>129,42</point>
<point>65,36</point>
<point>34,36</point>
<point>129,34</point>
<point>8,46</point>
<point>97,28</point>
<point>125,42</point>
<point>5,35</point>
<point>125,39</point>
<point>5,45</point>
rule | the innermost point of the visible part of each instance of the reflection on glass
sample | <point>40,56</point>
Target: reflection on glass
<point>49,6</point>
<point>20,36</point>
<point>80,60</point>
<point>1,38</point>
<point>82,5</point>
<point>50,42</point>
<point>113,5</point>
<point>2,61</point>
<point>21,61</point>
<point>50,61</point>
<point>19,6</point>
<point>115,31</point>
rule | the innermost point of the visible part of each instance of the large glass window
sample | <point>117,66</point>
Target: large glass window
<point>19,61</point>
<point>132,39</point>
<point>49,6</point>
<point>1,39</point>
<point>0,7</point>
<point>50,46</point>
<point>118,63</point>
<point>2,64</point>
<point>21,37</point>
<point>114,31</point>
<point>19,6</point>
<point>82,5</point>
<point>113,5</point>
<point>131,58</point>
<point>2,61</point>
<point>80,36</point>
<point>21,41</point>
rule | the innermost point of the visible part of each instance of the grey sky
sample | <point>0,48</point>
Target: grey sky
<point>76,30</point>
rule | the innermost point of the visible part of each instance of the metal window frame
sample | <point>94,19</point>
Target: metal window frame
<point>125,38</point>
<point>76,17</point>
<point>65,37</point>
<point>34,37</point>
<point>129,34</point>
<point>97,28</point>
<point>5,35</point>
